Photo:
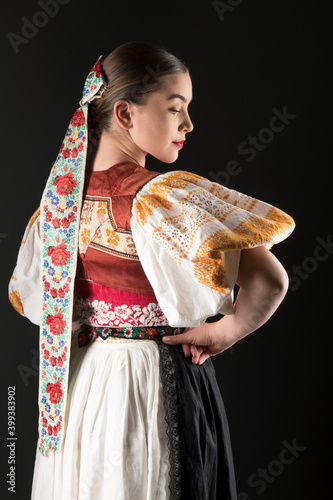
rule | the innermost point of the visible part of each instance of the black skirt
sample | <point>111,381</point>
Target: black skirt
<point>201,463</point>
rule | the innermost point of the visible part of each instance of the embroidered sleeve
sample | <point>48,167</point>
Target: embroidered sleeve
<point>189,232</point>
<point>24,286</point>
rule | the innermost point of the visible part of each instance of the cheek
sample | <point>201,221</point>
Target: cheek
<point>155,124</point>
<point>152,131</point>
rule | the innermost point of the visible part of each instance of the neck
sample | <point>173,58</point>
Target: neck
<point>115,148</point>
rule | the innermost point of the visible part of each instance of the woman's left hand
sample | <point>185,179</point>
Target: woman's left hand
<point>203,341</point>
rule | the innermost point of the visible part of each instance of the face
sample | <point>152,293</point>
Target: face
<point>160,126</point>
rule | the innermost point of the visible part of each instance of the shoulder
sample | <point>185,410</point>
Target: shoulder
<point>122,179</point>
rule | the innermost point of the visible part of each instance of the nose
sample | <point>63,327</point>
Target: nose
<point>187,125</point>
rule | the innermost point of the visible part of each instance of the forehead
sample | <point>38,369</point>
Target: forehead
<point>176,84</point>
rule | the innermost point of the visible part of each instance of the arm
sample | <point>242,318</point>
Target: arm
<point>263,284</point>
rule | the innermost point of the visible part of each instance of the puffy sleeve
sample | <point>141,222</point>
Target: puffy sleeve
<point>189,232</point>
<point>25,283</point>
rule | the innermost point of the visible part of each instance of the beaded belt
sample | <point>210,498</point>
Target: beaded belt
<point>89,333</point>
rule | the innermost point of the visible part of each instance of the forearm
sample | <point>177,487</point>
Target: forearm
<point>251,310</point>
<point>263,284</point>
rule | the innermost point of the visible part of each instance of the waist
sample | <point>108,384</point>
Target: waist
<point>89,333</point>
<point>102,306</point>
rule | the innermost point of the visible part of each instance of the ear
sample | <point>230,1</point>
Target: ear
<point>122,114</point>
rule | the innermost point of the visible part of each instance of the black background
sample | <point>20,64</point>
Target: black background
<point>255,57</point>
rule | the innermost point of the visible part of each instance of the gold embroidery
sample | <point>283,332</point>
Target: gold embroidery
<point>102,207</point>
<point>33,218</point>
<point>15,300</point>
<point>85,235</point>
<point>209,267</point>
<point>196,221</point>
<point>148,203</point>
<point>256,230</point>
<point>98,229</point>
<point>179,180</point>
<point>140,213</point>
<point>112,237</point>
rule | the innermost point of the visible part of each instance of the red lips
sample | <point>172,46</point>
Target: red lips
<point>179,144</point>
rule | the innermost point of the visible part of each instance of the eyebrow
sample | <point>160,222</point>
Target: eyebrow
<point>177,96</point>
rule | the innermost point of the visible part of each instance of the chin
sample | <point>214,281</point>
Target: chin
<point>170,161</point>
<point>167,158</point>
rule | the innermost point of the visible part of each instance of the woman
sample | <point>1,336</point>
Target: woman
<point>134,415</point>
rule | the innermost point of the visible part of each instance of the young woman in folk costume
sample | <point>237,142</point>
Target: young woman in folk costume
<point>138,260</point>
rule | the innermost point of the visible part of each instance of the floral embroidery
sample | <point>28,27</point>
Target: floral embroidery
<point>112,237</point>
<point>102,208</point>
<point>65,183</point>
<point>149,203</point>
<point>191,218</point>
<point>78,119</point>
<point>60,208</point>
<point>91,333</point>
<point>97,228</point>
<point>85,236</point>
<point>59,254</point>
<point>56,322</point>
<point>194,228</point>
<point>101,313</point>
<point>55,392</point>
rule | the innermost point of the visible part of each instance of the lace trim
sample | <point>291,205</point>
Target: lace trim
<point>171,419</point>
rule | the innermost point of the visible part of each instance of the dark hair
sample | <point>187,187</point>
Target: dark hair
<point>133,71</point>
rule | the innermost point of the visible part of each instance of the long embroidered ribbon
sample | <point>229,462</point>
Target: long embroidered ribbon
<point>60,216</point>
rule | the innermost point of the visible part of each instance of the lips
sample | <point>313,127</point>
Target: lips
<point>180,144</point>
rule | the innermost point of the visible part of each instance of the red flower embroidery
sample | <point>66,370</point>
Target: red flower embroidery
<point>75,152</point>
<point>98,68</point>
<point>46,354</point>
<point>56,222</point>
<point>65,183</point>
<point>49,430</point>
<point>55,392</point>
<point>78,119</point>
<point>53,361</point>
<point>151,333</point>
<point>48,216</point>
<point>57,324</point>
<point>59,254</point>
<point>65,222</point>
<point>66,153</point>
<point>53,293</point>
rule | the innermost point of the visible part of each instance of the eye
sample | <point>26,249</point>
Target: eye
<point>174,110</point>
